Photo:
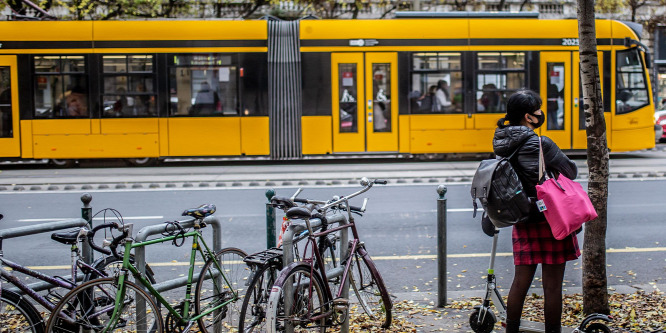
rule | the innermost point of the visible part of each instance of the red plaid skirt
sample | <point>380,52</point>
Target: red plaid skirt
<point>533,243</point>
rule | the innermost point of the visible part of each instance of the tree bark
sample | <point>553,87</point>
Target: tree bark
<point>595,293</point>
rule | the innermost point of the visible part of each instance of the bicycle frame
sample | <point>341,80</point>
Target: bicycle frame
<point>316,256</point>
<point>55,281</point>
<point>206,254</point>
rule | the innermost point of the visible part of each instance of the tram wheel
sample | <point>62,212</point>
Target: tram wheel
<point>142,162</point>
<point>58,163</point>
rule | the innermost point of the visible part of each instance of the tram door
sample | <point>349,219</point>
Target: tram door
<point>10,144</point>
<point>365,102</point>
<point>556,96</point>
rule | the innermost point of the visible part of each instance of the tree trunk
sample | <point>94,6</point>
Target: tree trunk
<point>595,294</point>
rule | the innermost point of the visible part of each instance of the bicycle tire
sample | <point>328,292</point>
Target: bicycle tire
<point>597,328</point>
<point>369,288</point>
<point>303,280</point>
<point>253,311</point>
<point>91,304</point>
<point>17,314</point>
<point>210,293</point>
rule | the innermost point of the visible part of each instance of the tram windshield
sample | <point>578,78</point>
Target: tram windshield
<point>631,93</point>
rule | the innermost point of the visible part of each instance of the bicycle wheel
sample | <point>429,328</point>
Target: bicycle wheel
<point>308,300</point>
<point>253,310</point>
<point>212,292</point>
<point>90,306</point>
<point>369,288</point>
<point>18,314</point>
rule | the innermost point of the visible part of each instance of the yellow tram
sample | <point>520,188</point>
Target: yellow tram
<point>145,90</point>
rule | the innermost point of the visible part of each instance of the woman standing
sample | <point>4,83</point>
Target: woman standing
<point>533,242</point>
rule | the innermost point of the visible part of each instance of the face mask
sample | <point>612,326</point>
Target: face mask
<point>540,119</point>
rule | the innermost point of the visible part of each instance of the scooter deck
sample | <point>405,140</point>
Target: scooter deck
<point>532,327</point>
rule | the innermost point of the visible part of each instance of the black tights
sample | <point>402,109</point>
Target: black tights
<point>552,276</point>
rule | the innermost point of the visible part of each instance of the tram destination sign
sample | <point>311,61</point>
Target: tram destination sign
<point>363,42</point>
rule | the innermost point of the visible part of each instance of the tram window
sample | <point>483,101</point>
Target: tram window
<point>631,93</point>
<point>555,96</point>
<point>61,87</point>
<point>6,128</point>
<point>381,97</point>
<point>204,85</point>
<point>347,89</point>
<point>499,74</point>
<point>128,86</point>
<point>436,83</point>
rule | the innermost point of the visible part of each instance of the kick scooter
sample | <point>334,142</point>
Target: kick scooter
<point>483,319</point>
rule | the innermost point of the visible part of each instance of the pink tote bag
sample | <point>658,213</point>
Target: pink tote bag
<point>564,203</point>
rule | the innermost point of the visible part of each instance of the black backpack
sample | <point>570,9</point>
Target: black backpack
<point>500,192</point>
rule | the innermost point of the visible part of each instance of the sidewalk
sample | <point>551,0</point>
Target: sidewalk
<point>419,308</point>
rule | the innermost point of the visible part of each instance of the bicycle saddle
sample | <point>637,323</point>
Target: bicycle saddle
<point>282,202</point>
<point>65,237</point>
<point>201,211</point>
<point>303,212</point>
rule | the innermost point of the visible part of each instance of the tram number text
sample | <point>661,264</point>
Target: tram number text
<point>570,41</point>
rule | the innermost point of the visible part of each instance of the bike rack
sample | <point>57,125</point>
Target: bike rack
<point>140,258</point>
<point>49,227</point>
<point>288,256</point>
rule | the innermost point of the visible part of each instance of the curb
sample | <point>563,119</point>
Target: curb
<point>156,185</point>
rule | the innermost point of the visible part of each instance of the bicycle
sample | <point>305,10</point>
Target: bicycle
<point>17,312</point>
<point>300,298</point>
<point>266,265</point>
<point>116,303</point>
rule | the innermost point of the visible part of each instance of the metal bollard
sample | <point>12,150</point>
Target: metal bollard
<point>86,214</point>
<point>270,220</point>
<point>441,246</point>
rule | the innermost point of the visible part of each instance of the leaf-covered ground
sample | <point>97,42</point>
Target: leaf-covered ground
<point>638,312</point>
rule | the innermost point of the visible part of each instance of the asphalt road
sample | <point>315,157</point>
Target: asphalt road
<point>399,230</point>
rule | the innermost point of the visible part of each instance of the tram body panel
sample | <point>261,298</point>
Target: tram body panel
<point>184,30</point>
<point>254,136</point>
<point>209,136</point>
<point>317,135</point>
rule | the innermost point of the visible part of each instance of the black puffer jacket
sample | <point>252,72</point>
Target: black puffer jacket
<point>526,161</point>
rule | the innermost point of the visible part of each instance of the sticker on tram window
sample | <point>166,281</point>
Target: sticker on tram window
<point>570,41</point>
<point>347,79</point>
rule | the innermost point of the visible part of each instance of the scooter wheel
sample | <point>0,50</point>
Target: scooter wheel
<point>597,328</point>
<point>485,326</point>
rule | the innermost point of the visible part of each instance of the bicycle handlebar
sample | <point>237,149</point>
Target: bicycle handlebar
<point>302,212</point>
<point>365,182</point>
<point>114,245</point>
<point>91,237</point>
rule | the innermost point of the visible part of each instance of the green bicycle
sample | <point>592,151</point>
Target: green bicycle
<point>116,304</point>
